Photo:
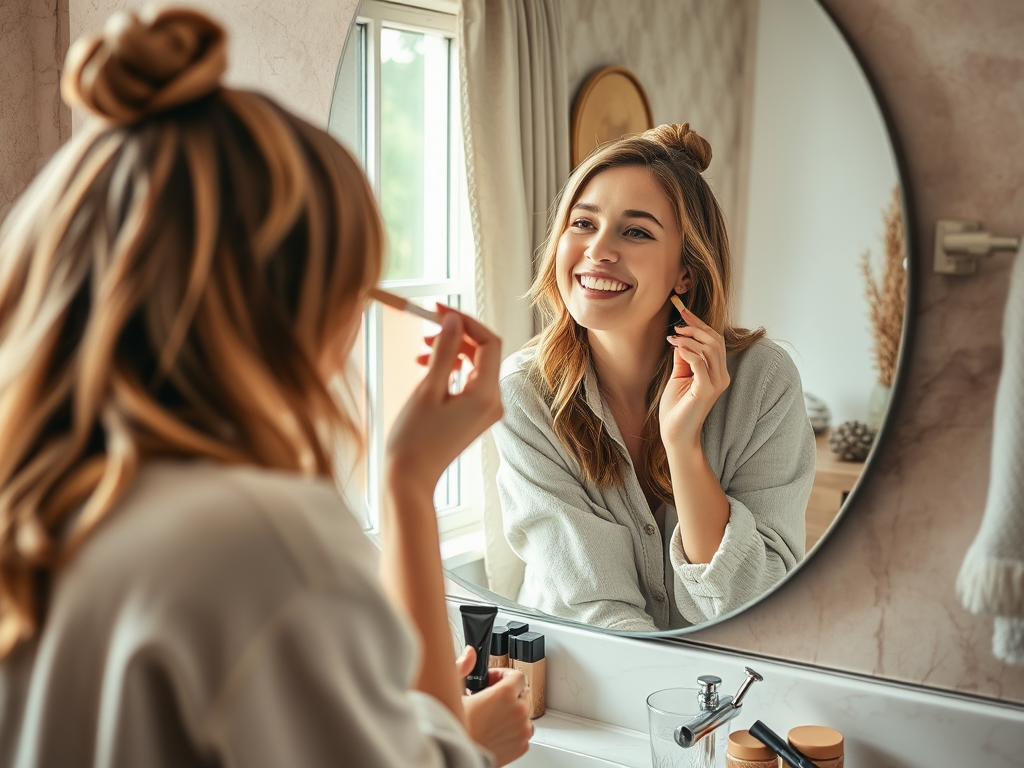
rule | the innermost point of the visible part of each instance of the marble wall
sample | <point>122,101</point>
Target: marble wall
<point>288,49</point>
<point>878,599</point>
<point>33,120</point>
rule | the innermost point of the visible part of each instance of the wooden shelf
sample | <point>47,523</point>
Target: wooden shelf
<point>833,480</point>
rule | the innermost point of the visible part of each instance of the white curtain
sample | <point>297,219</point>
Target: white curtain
<point>515,119</point>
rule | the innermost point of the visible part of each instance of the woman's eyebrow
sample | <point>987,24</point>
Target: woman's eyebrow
<point>633,214</point>
<point>629,214</point>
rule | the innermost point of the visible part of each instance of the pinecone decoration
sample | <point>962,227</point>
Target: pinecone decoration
<point>851,441</point>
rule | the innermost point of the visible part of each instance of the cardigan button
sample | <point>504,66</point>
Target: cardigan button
<point>650,529</point>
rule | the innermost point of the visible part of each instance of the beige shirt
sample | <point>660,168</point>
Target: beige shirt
<point>223,617</point>
<point>596,555</point>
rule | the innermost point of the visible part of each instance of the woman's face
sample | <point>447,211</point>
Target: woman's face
<point>618,259</point>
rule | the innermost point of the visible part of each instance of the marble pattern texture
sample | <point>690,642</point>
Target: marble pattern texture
<point>285,48</point>
<point>878,598</point>
<point>33,120</point>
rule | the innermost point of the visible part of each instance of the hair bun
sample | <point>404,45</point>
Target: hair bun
<point>140,65</point>
<point>680,137</point>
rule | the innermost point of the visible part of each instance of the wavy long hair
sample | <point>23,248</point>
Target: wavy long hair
<point>171,285</point>
<point>676,157</point>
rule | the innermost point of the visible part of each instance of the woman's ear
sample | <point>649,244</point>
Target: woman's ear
<point>684,283</point>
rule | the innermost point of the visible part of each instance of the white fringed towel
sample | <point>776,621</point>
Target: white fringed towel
<point>991,579</point>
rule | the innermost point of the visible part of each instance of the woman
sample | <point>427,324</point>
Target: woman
<point>647,482</point>
<point>180,583</point>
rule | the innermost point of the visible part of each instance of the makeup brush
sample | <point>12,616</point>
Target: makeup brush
<point>674,298</point>
<point>404,305</point>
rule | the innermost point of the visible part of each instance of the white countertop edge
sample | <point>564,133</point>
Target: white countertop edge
<point>589,737</point>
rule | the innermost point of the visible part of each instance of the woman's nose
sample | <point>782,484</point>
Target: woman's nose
<point>601,250</point>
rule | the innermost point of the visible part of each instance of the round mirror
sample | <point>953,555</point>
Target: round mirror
<point>806,175</point>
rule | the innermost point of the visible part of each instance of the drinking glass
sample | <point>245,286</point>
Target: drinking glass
<point>666,711</point>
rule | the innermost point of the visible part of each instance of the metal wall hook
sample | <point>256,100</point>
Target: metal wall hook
<point>959,244</point>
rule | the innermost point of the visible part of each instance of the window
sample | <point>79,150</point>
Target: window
<point>396,105</point>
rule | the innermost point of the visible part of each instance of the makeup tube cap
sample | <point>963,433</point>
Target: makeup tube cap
<point>529,647</point>
<point>499,641</point>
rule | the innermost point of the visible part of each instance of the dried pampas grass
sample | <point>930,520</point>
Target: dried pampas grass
<point>887,293</point>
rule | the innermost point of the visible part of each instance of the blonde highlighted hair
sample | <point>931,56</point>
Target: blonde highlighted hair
<point>173,284</point>
<point>676,157</point>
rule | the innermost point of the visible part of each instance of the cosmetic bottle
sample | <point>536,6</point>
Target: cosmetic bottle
<point>517,627</point>
<point>499,646</point>
<point>514,628</point>
<point>823,745</point>
<point>529,659</point>
<point>744,751</point>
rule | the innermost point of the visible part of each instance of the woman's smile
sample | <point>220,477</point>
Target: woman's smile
<point>595,285</point>
<point>620,254</point>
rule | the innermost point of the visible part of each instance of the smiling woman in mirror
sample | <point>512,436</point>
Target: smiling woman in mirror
<point>655,463</point>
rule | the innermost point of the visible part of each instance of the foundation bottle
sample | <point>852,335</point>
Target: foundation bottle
<point>517,627</point>
<point>514,628</point>
<point>529,659</point>
<point>744,751</point>
<point>499,647</point>
<point>824,746</point>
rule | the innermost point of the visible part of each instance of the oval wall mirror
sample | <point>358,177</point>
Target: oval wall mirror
<point>805,171</point>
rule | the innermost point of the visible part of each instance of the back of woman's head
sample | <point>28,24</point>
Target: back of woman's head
<point>174,284</point>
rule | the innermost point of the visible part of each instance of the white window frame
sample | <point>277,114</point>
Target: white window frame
<point>462,522</point>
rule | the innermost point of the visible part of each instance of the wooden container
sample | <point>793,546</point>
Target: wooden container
<point>823,745</point>
<point>744,751</point>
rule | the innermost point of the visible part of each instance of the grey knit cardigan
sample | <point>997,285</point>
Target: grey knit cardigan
<point>596,555</point>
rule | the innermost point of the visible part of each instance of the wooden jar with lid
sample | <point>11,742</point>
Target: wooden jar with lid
<point>744,751</point>
<point>824,746</point>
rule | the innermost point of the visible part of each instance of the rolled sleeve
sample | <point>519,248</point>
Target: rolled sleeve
<point>767,480</point>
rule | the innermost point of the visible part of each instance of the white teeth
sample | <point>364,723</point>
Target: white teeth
<point>602,284</point>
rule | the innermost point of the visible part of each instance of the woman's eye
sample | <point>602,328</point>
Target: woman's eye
<point>637,233</point>
<point>582,224</point>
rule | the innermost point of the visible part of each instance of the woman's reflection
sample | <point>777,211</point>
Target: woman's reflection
<point>648,483</point>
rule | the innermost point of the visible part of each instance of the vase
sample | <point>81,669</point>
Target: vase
<point>878,405</point>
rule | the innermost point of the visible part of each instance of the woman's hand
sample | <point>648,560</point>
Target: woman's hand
<point>498,717</point>
<point>435,426</point>
<point>699,377</point>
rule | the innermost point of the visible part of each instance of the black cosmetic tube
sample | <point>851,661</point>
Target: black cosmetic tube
<point>790,754</point>
<point>477,621</point>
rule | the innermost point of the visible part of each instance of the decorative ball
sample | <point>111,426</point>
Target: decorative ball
<point>851,441</point>
<point>817,412</point>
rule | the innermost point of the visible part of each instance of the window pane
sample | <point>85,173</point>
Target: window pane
<point>403,340</point>
<point>414,153</point>
<point>351,460</point>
